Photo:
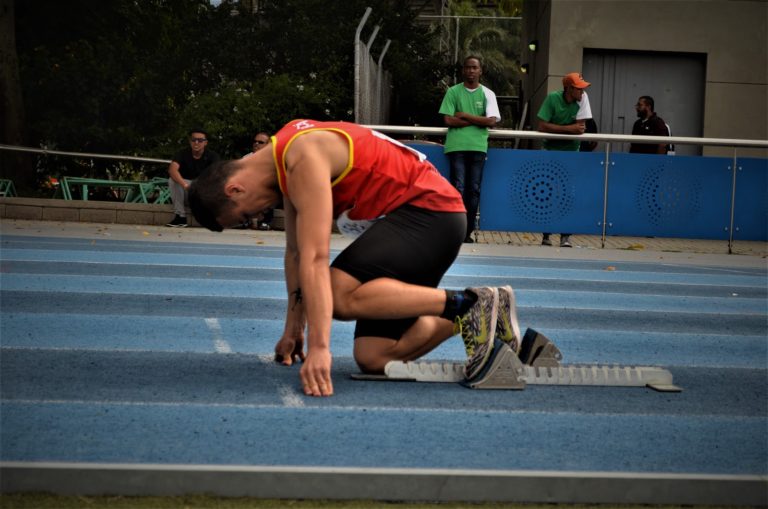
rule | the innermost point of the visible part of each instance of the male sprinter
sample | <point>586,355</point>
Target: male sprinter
<point>410,224</point>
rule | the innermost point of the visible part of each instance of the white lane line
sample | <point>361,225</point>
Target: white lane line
<point>471,412</point>
<point>289,396</point>
<point>219,343</point>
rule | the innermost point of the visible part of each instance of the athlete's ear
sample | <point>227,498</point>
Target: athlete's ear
<point>232,188</point>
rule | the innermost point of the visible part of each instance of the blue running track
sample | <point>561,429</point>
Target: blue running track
<point>135,360</point>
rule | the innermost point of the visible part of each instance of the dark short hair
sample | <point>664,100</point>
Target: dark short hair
<point>473,57</point>
<point>198,130</point>
<point>207,198</point>
<point>648,100</point>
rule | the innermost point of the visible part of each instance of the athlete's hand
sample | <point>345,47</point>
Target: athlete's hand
<point>316,373</point>
<point>289,349</point>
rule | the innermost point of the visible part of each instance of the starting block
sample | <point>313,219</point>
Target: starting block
<point>537,364</point>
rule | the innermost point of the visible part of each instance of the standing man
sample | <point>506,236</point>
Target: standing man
<point>409,222</point>
<point>468,110</point>
<point>648,124</point>
<point>565,112</point>
<point>186,165</point>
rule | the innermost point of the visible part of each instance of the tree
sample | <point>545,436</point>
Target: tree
<point>496,41</point>
<point>12,165</point>
<point>129,77</point>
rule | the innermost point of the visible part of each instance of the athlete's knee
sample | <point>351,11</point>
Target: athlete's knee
<point>369,361</point>
<point>371,365</point>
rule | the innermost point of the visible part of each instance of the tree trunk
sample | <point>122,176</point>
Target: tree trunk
<point>13,165</point>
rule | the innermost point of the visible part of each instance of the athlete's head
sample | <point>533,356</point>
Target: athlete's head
<point>208,198</point>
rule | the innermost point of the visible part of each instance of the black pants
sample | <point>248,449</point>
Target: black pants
<point>412,245</point>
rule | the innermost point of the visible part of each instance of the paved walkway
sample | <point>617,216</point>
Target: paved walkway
<point>661,245</point>
<point>586,247</point>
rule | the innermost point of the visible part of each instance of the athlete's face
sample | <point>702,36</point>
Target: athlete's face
<point>248,202</point>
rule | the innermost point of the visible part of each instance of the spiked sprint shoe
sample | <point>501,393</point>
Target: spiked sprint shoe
<point>478,328</point>
<point>507,328</point>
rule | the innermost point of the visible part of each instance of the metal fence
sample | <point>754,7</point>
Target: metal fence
<point>372,82</point>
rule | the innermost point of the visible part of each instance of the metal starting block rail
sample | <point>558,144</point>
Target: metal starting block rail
<point>505,370</point>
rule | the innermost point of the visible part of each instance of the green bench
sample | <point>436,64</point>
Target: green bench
<point>7,189</point>
<point>141,191</point>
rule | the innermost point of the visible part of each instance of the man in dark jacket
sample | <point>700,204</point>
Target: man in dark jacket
<point>186,165</point>
<point>649,124</point>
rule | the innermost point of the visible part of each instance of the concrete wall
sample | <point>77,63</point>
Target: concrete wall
<point>77,211</point>
<point>43,209</point>
<point>731,33</point>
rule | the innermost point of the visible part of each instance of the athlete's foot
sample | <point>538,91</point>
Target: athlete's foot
<point>507,328</point>
<point>478,325</point>
<point>478,361</point>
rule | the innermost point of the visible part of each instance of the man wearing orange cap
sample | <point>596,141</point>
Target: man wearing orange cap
<point>565,112</point>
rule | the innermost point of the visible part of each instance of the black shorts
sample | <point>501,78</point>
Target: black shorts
<point>412,245</point>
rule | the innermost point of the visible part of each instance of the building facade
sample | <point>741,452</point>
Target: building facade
<point>705,62</point>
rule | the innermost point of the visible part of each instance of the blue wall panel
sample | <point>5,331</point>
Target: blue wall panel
<point>750,219</point>
<point>648,195</point>
<point>435,154</point>
<point>658,195</point>
<point>539,191</point>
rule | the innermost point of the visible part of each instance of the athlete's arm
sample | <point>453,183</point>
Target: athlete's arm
<point>290,347</point>
<point>311,162</point>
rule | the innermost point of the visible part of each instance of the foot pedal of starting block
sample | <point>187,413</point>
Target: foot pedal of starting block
<point>505,371</point>
<point>537,350</point>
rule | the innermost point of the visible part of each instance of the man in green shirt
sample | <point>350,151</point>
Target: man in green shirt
<point>565,112</point>
<point>468,110</point>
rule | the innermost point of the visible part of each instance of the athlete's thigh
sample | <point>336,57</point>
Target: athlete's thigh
<point>411,245</point>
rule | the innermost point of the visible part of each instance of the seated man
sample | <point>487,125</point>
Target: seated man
<point>184,168</point>
<point>411,223</point>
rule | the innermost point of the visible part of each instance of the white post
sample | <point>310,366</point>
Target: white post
<point>357,62</point>
<point>379,92</point>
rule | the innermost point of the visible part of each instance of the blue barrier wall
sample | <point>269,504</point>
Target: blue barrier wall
<point>647,195</point>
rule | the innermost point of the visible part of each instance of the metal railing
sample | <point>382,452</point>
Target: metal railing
<point>84,155</point>
<point>610,140</point>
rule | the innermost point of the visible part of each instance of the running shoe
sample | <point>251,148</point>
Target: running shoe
<point>507,328</point>
<point>478,325</point>
<point>476,364</point>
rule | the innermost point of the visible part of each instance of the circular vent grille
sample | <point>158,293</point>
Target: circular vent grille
<point>667,197</point>
<point>541,191</point>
